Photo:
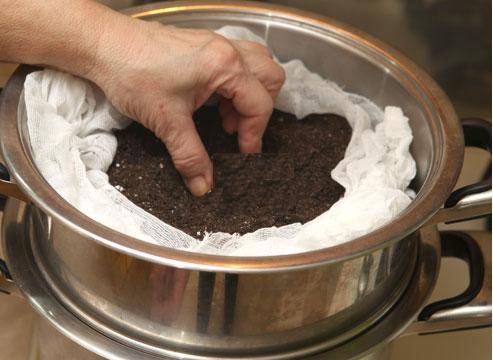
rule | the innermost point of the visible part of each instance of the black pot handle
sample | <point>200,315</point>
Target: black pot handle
<point>471,201</point>
<point>472,308</point>
<point>459,245</point>
<point>6,284</point>
<point>9,188</point>
<point>5,176</point>
<point>477,133</point>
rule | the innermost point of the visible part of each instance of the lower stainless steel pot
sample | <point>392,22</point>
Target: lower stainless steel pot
<point>180,304</point>
<point>471,309</point>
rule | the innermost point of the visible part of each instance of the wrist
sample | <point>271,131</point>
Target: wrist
<point>88,53</point>
<point>109,49</point>
<point>88,41</point>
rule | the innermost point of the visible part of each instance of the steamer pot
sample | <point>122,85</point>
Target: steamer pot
<point>183,305</point>
<point>401,320</point>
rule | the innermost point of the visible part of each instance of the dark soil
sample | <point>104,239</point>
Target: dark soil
<point>289,182</point>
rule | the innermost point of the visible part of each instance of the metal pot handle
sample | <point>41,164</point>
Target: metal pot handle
<point>471,201</point>
<point>8,188</point>
<point>7,286</point>
<point>477,133</point>
<point>472,308</point>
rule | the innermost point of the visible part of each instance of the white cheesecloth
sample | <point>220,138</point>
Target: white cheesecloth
<point>71,125</point>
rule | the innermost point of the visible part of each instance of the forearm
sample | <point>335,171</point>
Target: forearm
<point>155,74</point>
<point>62,34</point>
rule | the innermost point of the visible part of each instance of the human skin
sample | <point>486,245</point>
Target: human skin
<point>157,75</point>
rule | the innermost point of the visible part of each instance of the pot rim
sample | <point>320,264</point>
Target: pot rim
<point>447,162</point>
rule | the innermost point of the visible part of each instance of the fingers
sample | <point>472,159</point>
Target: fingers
<point>253,105</point>
<point>168,286</point>
<point>250,95</point>
<point>252,122</point>
<point>258,60</point>
<point>254,47</point>
<point>228,115</point>
<point>177,131</point>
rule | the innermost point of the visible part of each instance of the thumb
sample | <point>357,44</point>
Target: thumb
<point>187,151</point>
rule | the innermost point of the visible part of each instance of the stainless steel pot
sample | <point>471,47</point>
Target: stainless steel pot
<point>180,304</point>
<point>402,319</point>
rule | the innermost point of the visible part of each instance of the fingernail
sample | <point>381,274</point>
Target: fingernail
<point>197,185</point>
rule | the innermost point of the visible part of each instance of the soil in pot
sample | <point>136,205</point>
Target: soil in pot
<point>289,182</point>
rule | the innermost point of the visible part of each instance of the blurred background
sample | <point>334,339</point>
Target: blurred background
<point>451,39</point>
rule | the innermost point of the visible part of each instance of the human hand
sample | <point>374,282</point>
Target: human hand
<point>160,75</point>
